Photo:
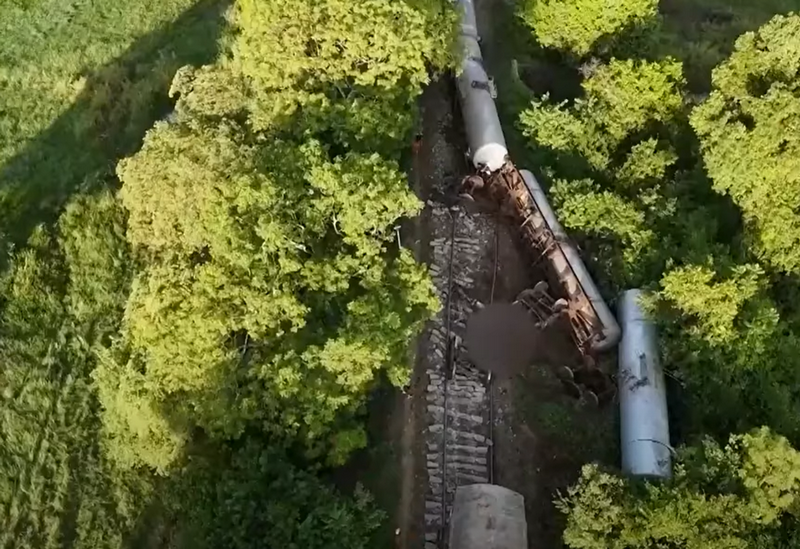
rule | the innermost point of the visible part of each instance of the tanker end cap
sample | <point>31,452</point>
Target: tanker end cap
<point>486,516</point>
<point>491,156</point>
<point>608,340</point>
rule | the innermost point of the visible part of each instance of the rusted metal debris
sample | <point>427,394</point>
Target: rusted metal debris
<point>561,294</point>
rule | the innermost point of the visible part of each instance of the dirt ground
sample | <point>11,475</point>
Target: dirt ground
<point>541,436</point>
<point>438,164</point>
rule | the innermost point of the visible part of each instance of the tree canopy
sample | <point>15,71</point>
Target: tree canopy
<point>611,155</point>
<point>272,291</point>
<point>217,309</point>
<point>578,26</point>
<point>748,130</point>
<point>742,495</point>
<point>253,497</point>
<point>643,176</point>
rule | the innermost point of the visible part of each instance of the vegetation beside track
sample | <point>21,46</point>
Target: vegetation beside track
<point>201,281</point>
<point>683,182</point>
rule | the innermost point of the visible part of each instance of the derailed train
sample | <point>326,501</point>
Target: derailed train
<point>569,290</point>
<point>594,327</point>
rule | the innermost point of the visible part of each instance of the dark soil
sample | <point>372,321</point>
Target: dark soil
<point>503,339</point>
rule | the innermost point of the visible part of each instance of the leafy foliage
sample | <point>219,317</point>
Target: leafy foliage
<point>234,303</point>
<point>714,304</point>
<point>618,223</point>
<point>728,496</point>
<point>267,294</point>
<point>612,156</point>
<point>92,230</point>
<point>234,503</point>
<point>578,26</point>
<point>747,129</point>
<point>732,347</point>
<point>622,99</point>
<point>271,293</point>
<point>354,79</point>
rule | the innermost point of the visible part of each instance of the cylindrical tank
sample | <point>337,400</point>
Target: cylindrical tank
<point>644,424</point>
<point>487,143</point>
<point>611,329</point>
<point>486,516</point>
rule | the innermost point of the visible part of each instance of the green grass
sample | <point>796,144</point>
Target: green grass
<point>80,83</point>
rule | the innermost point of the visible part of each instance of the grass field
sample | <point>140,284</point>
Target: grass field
<point>80,83</point>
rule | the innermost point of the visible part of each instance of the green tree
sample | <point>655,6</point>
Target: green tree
<point>714,305</point>
<point>722,497</point>
<point>731,346</point>
<point>253,497</point>
<point>349,71</point>
<point>578,25</point>
<point>92,237</point>
<point>613,162</point>
<point>618,225</point>
<point>622,99</point>
<point>747,128</point>
<point>271,291</point>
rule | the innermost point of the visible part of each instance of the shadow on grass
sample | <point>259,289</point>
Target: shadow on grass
<point>118,104</point>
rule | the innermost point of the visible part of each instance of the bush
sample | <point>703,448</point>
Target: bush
<point>723,497</point>
<point>714,305</point>
<point>253,497</point>
<point>578,25</point>
<point>609,218</point>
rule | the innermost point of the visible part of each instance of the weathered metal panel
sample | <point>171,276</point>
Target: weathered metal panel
<point>487,143</point>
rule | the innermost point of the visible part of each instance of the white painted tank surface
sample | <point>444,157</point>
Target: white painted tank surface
<point>487,144</point>
<point>644,424</point>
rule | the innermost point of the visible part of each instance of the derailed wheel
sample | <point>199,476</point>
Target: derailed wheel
<point>472,183</point>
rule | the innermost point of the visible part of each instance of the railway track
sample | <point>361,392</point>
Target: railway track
<point>458,397</point>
